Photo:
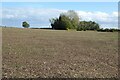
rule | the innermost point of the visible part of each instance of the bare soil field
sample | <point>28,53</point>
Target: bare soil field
<point>33,53</point>
<point>0,52</point>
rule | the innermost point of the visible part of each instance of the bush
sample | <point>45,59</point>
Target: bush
<point>108,30</point>
<point>25,24</point>
<point>87,25</point>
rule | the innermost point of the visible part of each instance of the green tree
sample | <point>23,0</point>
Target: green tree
<point>68,20</point>
<point>64,22</point>
<point>25,24</point>
<point>74,18</point>
<point>88,25</point>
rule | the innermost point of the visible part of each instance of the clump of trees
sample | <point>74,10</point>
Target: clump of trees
<point>25,24</point>
<point>70,20</point>
<point>87,25</point>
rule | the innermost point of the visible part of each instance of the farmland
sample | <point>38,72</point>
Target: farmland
<point>0,52</point>
<point>33,53</point>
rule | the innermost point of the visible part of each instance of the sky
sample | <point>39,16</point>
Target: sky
<point>37,14</point>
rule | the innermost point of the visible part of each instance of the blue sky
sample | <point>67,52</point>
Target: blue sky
<point>85,6</point>
<point>39,13</point>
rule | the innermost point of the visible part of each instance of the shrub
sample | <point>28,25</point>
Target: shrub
<point>25,24</point>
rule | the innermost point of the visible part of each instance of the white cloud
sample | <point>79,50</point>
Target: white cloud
<point>0,15</point>
<point>39,17</point>
<point>104,19</point>
<point>98,16</point>
<point>29,12</point>
<point>115,14</point>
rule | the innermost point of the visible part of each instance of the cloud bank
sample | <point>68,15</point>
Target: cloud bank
<point>40,17</point>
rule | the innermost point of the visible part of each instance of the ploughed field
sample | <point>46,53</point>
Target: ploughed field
<point>33,53</point>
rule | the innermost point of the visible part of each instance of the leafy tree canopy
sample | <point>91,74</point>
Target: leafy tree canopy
<point>68,20</point>
<point>25,24</point>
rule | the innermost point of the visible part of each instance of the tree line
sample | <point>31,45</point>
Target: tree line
<point>71,20</point>
<point>108,30</point>
<point>87,25</point>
